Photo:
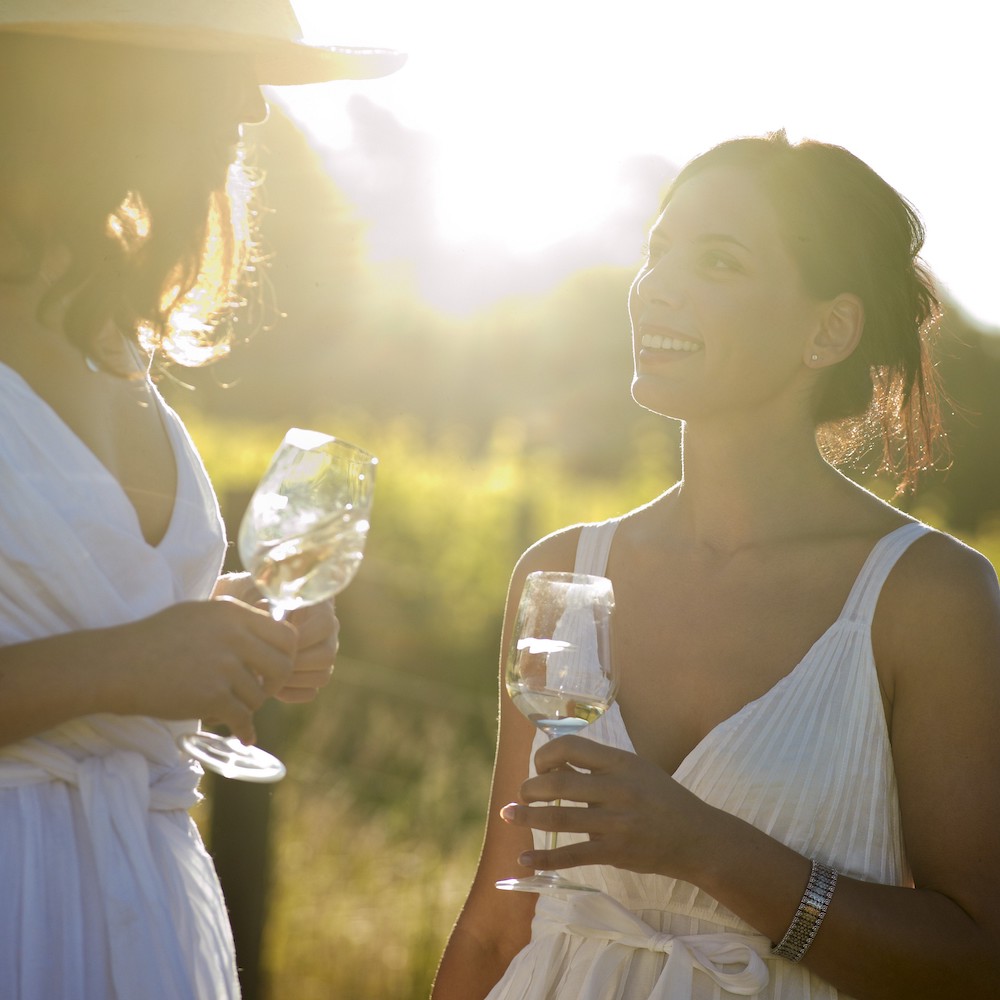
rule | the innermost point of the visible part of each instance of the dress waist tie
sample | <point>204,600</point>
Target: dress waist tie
<point>597,915</point>
<point>117,795</point>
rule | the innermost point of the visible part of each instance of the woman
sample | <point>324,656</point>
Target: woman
<point>123,232</point>
<point>809,678</point>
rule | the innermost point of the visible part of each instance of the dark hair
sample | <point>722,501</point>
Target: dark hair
<point>120,157</point>
<point>850,231</point>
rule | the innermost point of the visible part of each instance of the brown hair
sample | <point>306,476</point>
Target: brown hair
<point>850,231</point>
<point>125,159</point>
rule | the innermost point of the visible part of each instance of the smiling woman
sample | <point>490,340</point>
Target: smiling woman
<point>799,786</point>
<point>719,282</point>
<point>767,260</point>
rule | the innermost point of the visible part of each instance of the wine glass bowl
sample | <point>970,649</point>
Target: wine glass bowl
<point>304,569</point>
<point>303,535</point>
<point>559,671</point>
<point>302,539</point>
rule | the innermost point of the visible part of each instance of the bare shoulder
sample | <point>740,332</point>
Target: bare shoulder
<point>938,617</point>
<point>939,575</point>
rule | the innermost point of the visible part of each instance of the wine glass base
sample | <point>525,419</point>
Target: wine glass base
<point>227,756</point>
<point>543,882</point>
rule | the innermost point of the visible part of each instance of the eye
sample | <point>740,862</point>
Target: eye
<point>720,262</point>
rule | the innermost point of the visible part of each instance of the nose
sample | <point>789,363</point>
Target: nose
<point>253,110</point>
<point>658,284</point>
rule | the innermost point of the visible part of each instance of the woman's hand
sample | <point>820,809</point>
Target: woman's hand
<point>217,660</point>
<point>318,638</point>
<point>637,816</point>
<point>318,630</point>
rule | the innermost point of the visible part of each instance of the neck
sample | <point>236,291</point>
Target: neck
<point>29,339</point>
<point>744,485</point>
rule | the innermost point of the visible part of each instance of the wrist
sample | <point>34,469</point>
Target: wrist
<point>710,840</point>
<point>722,848</point>
<point>106,661</point>
<point>810,914</point>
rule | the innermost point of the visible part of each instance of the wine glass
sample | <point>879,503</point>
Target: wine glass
<point>559,671</point>
<point>302,539</point>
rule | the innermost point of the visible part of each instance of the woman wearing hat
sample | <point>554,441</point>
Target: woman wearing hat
<point>123,232</point>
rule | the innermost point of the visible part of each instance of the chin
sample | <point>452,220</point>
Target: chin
<point>653,395</point>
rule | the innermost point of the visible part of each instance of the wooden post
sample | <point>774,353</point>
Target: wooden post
<point>240,832</point>
<point>240,824</point>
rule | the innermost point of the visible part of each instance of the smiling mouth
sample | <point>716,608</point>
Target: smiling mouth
<point>668,344</point>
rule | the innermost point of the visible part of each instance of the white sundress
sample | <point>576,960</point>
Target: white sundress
<point>809,763</point>
<point>106,891</point>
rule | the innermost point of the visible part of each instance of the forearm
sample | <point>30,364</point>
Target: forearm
<point>470,966</point>
<point>875,941</point>
<point>44,682</point>
<point>491,929</point>
<point>48,681</point>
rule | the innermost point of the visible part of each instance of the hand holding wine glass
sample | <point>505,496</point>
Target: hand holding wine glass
<point>559,672</point>
<point>302,539</point>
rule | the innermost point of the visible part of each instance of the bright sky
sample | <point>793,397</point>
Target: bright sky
<point>531,105</point>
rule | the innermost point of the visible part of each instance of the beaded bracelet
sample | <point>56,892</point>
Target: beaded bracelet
<point>808,917</point>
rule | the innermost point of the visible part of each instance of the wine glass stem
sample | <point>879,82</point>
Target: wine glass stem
<point>551,836</point>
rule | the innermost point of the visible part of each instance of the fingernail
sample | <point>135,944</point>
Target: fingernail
<point>527,860</point>
<point>508,811</point>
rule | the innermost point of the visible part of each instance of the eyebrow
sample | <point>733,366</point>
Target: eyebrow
<point>722,238</point>
<point>657,237</point>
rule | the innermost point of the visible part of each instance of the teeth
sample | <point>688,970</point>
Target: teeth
<point>658,343</point>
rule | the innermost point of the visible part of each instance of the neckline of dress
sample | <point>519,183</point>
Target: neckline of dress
<point>842,620</point>
<point>80,446</point>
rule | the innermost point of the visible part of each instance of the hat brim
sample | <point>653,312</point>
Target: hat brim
<point>277,62</point>
<point>298,62</point>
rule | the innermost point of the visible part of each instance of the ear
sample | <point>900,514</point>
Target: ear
<point>841,323</point>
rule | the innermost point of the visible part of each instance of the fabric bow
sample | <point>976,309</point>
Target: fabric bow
<point>733,961</point>
<point>117,790</point>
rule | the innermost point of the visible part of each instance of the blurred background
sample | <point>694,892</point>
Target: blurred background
<point>448,253</point>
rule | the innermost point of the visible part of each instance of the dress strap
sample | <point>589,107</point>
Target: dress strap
<point>861,601</point>
<point>593,547</point>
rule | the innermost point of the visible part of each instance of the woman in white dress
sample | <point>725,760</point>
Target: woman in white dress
<point>798,792</point>
<point>122,233</point>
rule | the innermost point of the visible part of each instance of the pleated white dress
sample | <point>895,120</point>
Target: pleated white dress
<point>808,763</point>
<point>106,891</point>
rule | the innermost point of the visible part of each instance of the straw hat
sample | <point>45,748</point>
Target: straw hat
<point>267,30</point>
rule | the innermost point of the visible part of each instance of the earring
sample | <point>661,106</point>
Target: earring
<point>814,358</point>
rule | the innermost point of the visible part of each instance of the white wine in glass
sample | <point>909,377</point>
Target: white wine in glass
<point>559,671</point>
<point>302,539</point>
